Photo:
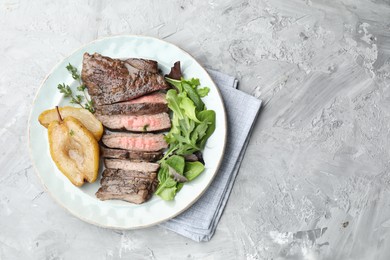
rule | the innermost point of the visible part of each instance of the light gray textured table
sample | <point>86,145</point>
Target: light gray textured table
<point>314,183</point>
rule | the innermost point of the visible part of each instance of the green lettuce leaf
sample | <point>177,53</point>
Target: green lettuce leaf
<point>208,117</point>
<point>202,92</point>
<point>189,108</point>
<point>193,169</point>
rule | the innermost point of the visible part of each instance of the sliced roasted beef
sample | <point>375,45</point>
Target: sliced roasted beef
<point>129,194</point>
<point>156,97</point>
<point>132,155</point>
<point>127,185</point>
<point>131,165</point>
<point>129,108</point>
<point>145,105</point>
<point>133,182</point>
<point>141,123</point>
<point>142,64</point>
<point>135,142</point>
<point>112,80</point>
<point>127,174</point>
<point>130,182</point>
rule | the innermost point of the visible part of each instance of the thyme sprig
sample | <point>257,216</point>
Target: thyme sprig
<point>76,98</point>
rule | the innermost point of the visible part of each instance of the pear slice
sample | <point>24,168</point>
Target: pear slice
<point>74,150</point>
<point>81,114</point>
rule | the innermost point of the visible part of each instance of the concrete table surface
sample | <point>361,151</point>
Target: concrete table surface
<point>314,183</point>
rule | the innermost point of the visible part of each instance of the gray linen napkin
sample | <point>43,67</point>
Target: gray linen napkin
<point>200,221</point>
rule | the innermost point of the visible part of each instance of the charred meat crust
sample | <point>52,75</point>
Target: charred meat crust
<point>110,80</point>
<point>129,194</point>
<point>132,186</point>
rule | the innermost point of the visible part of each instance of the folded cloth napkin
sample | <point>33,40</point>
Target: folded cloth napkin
<point>200,221</point>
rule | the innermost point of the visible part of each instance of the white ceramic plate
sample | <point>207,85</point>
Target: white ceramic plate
<point>82,202</point>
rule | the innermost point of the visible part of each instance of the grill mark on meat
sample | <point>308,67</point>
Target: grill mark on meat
<point>109,80</point>
<point>132,155</point>
<point>131,165</point>
<point>135,142</point>
<point>136,123</point>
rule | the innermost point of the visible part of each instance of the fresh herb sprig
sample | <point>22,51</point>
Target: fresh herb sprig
<point>76,98</point>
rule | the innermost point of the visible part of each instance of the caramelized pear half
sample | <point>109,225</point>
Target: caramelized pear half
<point>81,114</point>
<point>74,150</point>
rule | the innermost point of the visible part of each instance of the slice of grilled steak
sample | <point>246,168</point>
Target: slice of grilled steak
<point>112,80</point>
<point>132,155</point>
<point>128,194</point>
<point>141,123</point>
<point>132,186</point>
<point>135,142</point>
<point>131,165</point>
<point>156,97</point>
<point>129,108</point>
<point>142,64</point>
<point>128,182</point>
<point>128,174</point>
<point>145,105</point>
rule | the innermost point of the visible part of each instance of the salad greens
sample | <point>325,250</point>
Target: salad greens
<point>192,125</point>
